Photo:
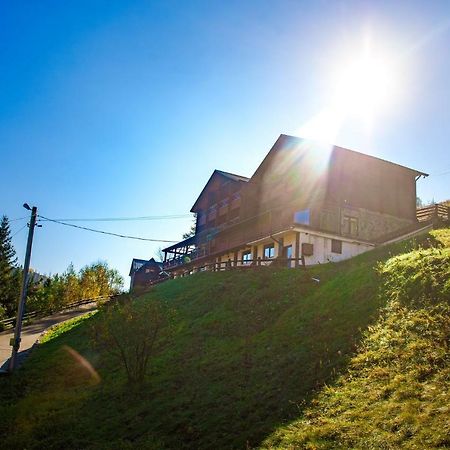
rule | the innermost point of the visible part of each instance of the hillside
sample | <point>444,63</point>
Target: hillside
<point>248,352</point>
<point>395,393</point>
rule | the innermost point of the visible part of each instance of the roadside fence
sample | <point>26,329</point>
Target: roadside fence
<point>11,321</point>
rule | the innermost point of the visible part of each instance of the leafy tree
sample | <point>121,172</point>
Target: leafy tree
<point>131,333</point>
<point>9,272</point>
<point>93,280</point>
<point>97,279</point>
<point>72,291</point>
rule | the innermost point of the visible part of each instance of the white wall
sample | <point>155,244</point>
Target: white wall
<point>322,249</point>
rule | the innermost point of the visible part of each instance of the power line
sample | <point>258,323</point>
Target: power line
<point>19,218</point>
<point>103,232</point>
<point>19,230</point>
<point>117,219</point>
<point>442,173</point>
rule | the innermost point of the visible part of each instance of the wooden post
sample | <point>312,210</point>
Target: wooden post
<point>280,247</point>
<point>297,248</point>
<point>255,253</point>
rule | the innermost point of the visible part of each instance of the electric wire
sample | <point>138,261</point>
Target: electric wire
<point>19,230</point>
<point>119,219</point>
<point>442,173</point>
<point>19,218</point>
<point>104,232</point>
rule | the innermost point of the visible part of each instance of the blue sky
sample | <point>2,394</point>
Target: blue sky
<point>124,108</point>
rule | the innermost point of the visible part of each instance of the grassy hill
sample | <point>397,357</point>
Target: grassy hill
<point>395,393</point>
<point>362,351</point>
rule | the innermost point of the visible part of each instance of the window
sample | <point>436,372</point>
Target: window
<point>307,249</point>
<point>288,251</point>
<point>336,246</point>
<point>247,257</point>
<point>302,217</point>
<point>350,226</point>
<point>269,251</point>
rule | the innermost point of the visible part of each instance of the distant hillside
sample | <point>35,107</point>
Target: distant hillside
<point>250,351</point>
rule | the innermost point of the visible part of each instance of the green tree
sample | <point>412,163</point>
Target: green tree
<point>97,279</point>
<point>9,272</point>
<point>93,280</point>
<point>72,288</point>
<point>191,231</point>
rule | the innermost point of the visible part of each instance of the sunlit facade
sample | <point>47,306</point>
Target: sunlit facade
<point>307,203</point>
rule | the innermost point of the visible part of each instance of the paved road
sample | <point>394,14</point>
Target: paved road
<point>31,333</point>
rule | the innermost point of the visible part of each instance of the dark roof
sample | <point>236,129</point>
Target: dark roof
<point>135,260</point>
<point>230,176</point>
<point>189,241</point>
<point>287,140</point>
<point>150,262</point>
<point>336,147</point>
<point>143,263</point>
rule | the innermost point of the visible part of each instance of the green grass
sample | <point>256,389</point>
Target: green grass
<point>395,392</point>
<point>250,352</point>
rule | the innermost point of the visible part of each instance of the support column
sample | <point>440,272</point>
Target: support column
<point>280,247</point>
<point>297,248</point>
<point>255,253</point>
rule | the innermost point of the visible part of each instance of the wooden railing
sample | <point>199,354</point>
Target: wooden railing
<point>240,264</point>
<point>11,321</point>
<point>439,211</point>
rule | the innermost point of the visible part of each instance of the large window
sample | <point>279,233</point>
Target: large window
<point>350,225</point>
<point>247,257</point>
<point>269,251</point>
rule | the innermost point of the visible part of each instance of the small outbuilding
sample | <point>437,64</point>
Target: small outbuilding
<point>145,273</point>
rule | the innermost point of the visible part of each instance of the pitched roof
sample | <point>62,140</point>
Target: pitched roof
<point>230,176</point>
<point>150,262</point>
<point>142,263</point>
<point>285,140</point>
<point>133,264</point>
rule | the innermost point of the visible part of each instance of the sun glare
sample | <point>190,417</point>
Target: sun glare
<point>364,87</point>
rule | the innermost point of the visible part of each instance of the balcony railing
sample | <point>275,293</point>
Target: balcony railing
<point>241,264</point>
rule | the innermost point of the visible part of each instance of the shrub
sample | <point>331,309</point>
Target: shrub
<point>130,332</point>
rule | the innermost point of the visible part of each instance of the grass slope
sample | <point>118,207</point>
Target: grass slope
<point>248,353</point>
<point>395,393</point>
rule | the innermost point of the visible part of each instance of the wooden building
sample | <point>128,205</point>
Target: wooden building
<point>306,200</point>
<point>144,274</point>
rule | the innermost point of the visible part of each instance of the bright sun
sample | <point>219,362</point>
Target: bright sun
<point>364,87</point>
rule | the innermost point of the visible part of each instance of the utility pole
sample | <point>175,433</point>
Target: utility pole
<point>15,341</point>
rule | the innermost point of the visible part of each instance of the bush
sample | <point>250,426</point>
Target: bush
<point>130,332</point>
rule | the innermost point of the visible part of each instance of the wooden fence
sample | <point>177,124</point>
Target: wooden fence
<point>11,322</point>
<point>439,211</point>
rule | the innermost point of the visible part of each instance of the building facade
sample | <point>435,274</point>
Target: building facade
<point>307,203</point>
<point>143,274</point>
